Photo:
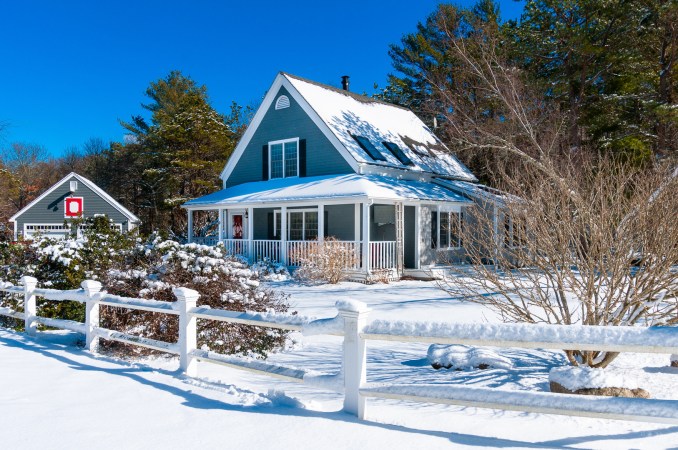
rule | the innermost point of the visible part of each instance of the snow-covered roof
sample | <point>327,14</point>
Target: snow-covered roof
<point>327,187</point>
<point>347,114</point>
<point>477,191</point>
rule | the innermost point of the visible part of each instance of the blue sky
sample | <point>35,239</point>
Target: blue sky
<point>71,69</point>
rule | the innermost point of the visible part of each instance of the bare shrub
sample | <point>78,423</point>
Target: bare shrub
<point>578,238</point>
<point>325,262</point>
<point>599,247</point>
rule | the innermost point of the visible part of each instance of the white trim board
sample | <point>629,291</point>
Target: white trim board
<point>96,189</point>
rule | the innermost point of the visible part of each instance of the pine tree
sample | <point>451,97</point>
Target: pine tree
<point>179,153</point>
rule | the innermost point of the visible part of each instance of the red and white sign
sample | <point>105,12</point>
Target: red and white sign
<point>73,207</point>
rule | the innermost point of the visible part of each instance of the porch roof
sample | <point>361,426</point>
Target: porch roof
<point>331,187</point>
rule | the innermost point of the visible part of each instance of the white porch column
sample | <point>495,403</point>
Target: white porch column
<point>221,225</point>
<point>417,236</point>
<point>283,235</point>
<point>250,234</point>
<point>366,237</point>
<point>190,226</point>
<point>321,222</point>
<point>356,233</point>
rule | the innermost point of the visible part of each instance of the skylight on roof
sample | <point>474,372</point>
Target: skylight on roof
<point>370,149</point>
<point>398,153</point>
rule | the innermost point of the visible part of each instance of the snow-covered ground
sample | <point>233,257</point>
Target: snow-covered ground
<point>55,395</point>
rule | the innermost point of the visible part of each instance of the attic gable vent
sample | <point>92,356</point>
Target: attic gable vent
<point>282,102</point>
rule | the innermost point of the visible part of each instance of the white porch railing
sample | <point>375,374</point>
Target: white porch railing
<point>297,251</point>
<point>205,240</point>
<point>382,255</point>
<point>262,249</point>
<point>351,323</point>
<point>237,247</point>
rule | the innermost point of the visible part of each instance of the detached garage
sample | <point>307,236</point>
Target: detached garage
<point>71,198</point>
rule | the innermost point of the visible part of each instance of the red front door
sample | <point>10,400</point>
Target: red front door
<point>237,226</point>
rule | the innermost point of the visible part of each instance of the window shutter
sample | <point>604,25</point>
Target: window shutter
<point>302,157</point>
<point>264,162</point>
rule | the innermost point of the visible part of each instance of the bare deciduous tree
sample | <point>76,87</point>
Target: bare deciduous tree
<point>581,238</point>
<point>606,256</point>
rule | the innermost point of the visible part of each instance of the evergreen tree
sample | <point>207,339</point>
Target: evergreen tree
<point>178,154</point>
<point>604,62</point>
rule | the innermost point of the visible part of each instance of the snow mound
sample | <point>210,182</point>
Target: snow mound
<point>576,378</point>
<point>461,357</point>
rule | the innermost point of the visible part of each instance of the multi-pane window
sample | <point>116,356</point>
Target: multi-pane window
<point>276,151</point>
<point>284,158</point>
<point>296,226</point>
<point>301,225</point>
<point>449,225</point>
<point>291,159</point>
<point>514,232</point>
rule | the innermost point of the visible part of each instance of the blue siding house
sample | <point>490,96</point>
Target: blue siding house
<point>320,161</point>
<point>49,214</point>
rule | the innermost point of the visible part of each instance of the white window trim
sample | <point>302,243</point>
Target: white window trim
<point>449,231</point>
<point>61,228</point>
<point>511,235</point>
<point>277,212</point>
<point>283,142</point>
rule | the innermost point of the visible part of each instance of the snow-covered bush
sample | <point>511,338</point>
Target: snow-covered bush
<point>128,267</point>
<point>269,270</point>
<point>65,263</point>
<point>223,282</point>
<point>325,262</point>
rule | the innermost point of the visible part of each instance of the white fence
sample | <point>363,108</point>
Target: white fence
<point>351,323</point>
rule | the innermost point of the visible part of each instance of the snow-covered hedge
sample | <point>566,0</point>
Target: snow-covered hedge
<point>127,266</point>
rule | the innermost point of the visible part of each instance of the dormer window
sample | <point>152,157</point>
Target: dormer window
<point>283,158</point>
<point>282,102</point>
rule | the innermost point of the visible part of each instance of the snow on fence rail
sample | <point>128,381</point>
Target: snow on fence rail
<point>351,324</point>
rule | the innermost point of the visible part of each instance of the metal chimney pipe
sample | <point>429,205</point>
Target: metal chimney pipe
<point>344,82</point>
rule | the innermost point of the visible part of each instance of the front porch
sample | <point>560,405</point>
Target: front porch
<point>383,225</point>
<point>288,235</point>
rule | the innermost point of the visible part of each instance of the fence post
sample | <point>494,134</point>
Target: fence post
<point>355,318</point>
<point>30,306</point>
<point>188,330</point>
<point>91,288</point>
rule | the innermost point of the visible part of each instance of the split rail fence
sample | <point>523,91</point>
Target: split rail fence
<point>351,324</point>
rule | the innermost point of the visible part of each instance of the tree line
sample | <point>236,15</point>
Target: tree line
<point>568,78</point>
<point>175,155</point>
<point>602,72</point>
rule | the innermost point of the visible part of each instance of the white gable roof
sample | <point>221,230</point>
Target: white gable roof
<point>339,114</point>
<point>348,114</point>
<point>96,189</point>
